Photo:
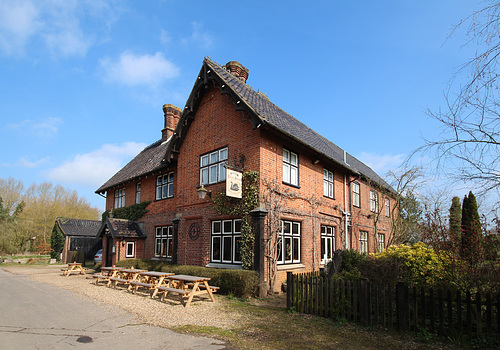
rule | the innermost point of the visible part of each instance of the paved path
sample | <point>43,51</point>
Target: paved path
<point>40,316</point>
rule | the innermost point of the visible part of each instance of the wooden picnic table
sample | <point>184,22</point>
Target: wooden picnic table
<point>125,276</point>
<point>74,267</point>
<point>188,286</point>
<point>149,280</point>
<point>107,273</point>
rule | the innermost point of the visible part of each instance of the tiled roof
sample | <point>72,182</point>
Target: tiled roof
<point>79,227</point>
<point>284,122</point>
<point>145,162</point>
<point>150,159</point>
<point>123,228</point>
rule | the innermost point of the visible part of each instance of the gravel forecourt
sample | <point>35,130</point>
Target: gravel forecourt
<point>169,313</point>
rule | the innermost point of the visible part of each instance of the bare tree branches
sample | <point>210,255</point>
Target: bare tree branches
<point>468,148</point>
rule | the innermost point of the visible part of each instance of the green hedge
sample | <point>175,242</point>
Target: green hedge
<point>239,283</point>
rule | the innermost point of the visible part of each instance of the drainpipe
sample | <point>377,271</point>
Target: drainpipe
<point>346,215</point>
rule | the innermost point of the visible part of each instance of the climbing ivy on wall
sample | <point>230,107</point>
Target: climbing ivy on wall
<point>242,207</point>
<point>133,212</point>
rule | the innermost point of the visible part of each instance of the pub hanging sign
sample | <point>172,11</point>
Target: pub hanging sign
<point>233,183</point>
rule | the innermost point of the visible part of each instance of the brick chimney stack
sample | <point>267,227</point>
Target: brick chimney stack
<point>238,70</point>
<point>172,115</point>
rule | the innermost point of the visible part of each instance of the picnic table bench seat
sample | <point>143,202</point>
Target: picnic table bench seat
<point>202,286</point>
<point>137,284</point>
<point>174,290</point>
<point>118,280</point>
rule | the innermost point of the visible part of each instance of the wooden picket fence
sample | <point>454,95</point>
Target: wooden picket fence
<point>398,307</point>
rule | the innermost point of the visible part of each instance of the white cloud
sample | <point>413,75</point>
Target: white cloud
<point>18,22</point>
<point>45,128</point>
<point>132,70</point>
<point>382,163</point>
<point>96,167</point>
<point>199,37</point>
<point>25,162</point>
<point>58,24</point>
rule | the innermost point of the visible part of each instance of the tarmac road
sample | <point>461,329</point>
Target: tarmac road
<point>34,315</point>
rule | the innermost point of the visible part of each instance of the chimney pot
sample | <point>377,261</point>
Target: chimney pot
<point>238,70</point>
<point>172,115</point>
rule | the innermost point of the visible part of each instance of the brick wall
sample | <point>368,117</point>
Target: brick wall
<point>217,124</point>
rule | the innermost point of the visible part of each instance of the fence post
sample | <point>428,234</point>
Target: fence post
<point>289,289</point>
<point>402,306</point>
<point>364,301</point>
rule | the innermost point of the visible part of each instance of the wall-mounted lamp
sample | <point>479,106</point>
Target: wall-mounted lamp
<point>316,161</point>
<point>202,192</point>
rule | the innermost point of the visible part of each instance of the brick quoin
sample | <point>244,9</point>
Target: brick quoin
<point>217,124</point>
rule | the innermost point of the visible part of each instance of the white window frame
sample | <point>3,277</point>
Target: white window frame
<point>381,242</point>
<point>137,193</point>
<point>120,198</point>
<point>290,167</point>
<point>327,243</point>
<point>225,232</point>
<point>130,244</point>
<point>387,207</point>
<point>356,194</point>
<point>164,242</point>
<point>290,232</point>
<point>373,201</point>
<point>165,186</point>
<point>213,167</point>
<point>363,241</point>
<point>328,184</point>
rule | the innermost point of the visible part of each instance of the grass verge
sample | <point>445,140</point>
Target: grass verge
<point>268,325</point>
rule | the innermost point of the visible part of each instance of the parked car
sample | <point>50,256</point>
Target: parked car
<point>98,256</point>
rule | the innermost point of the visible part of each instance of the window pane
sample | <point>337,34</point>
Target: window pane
<point>294,176</point>
<point>288,248</point>
<point>287,227</point>
<point>237,248</point>
<point>213,174</point>
<point>237,226</point>
<point>295,228</point>
<point>223,154</point>
<point>158,192</point>
<point>170,192</point>
<point>296,249</point>
<point>286,173</point>
<point>226,250</point>
<point>222,172</point>
<point>280,251</point>
<point>293,158</point>
<point>204,176</point>
<point>227,226</point>
<point>286,156</point>
<point>214,157</point>
<point>216,248</point>
<point>216,227</point>
<point>170,247</point>
<point>204,160</point>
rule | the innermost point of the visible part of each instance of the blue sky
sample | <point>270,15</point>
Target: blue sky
<point>82,83</point>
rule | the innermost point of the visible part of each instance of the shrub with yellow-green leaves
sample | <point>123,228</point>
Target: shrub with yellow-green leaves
<point>416,265</point>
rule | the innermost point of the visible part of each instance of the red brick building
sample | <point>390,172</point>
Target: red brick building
<point>328,199</point>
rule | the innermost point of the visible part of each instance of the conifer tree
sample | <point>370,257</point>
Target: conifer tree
<point>471,230</point>
<point>455,223</point>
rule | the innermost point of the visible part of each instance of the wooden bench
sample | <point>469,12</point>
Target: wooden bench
<point>119,280</point>
<point>202,286</point>
<point>166,290</point>
<point>100,277</point>
<point>140,284</point>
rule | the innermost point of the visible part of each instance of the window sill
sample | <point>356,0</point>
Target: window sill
<point>291,266</point>
<point>329,197</point>
<point>291,185</point>
<point>225,266</point>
